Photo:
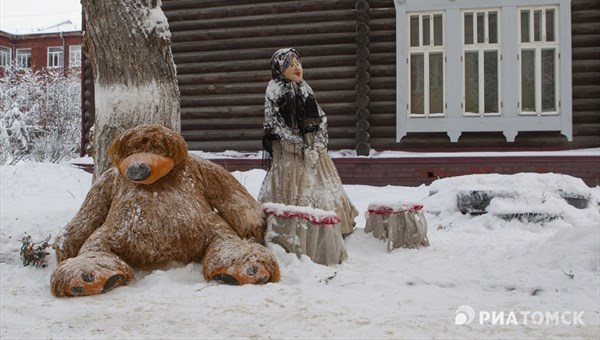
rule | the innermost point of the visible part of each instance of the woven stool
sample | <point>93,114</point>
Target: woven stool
<point>306,231</point>
<point>401,224</point>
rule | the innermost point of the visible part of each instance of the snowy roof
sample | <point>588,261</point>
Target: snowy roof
<point>40,16</point>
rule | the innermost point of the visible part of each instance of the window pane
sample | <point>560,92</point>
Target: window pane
<point>548,81</point>
<point>493,27</point>
<point>528,80</point>
<point>436,83</point>
<point>426,31</point>
<point>438,30</point>
<point>480,28</point>
<point>417,84</point>
<point>468,28</point>
<point>4,56</point>
<point>472,82</point>
<point>414,30</point>
<point>549,25</point>
<point>537,25</point>
<point>490,70</point>
<point>24,58</point>
<point>525,26</point>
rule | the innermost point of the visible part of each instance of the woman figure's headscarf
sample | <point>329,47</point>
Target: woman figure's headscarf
<point>295,101</point>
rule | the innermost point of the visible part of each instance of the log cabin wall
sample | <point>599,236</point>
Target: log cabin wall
<point>585,18</point>
<point>222,50</point>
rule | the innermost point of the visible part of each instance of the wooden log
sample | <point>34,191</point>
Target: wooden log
<point>586,65</point>
<point>585,28</point>
<point>382,83</point>
<point>586,117</point>
<point>263,8</point>
<point>261,20</point>
<point>223,123</point>
<point>361,101</point>
<point>592,52</point>
<point>324,97</point>
<point>363,113</point>
<point>339,72</point>
<point>363,149</point>
<point>362,88</point>
<point>218,145</point>
<point>363,125</point>
<point>263,42</point>
<point>586,91</point>
<point>383,95</point>
<point>263,54</point>
<point>261,65</point>
<point>588,104</point>
<point>220,89</point>
<point>587,40</point>
<point>583,5</point>
<point>265,31</point>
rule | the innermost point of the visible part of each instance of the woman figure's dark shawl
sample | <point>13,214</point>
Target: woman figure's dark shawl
<point>291,110</point>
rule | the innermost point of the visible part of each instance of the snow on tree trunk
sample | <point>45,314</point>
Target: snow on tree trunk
<point>129,43</point>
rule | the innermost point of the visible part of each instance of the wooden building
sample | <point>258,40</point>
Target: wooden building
<point>409,75</point>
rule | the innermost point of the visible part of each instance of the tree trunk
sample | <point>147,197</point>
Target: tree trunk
<point>135,82</point>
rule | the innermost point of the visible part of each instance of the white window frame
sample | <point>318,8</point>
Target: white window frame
<point>510,121</point>
<point>538,47</point>
<point>481,48</point>
<point>55,55</point>
<point>5,56</point>
<point>23,54</point>
<point>426,48</point>
<point>75,56</point>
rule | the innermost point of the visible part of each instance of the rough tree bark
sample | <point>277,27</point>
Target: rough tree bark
<point>135,82</point>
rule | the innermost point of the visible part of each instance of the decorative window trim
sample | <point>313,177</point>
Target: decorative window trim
<point>509,121</point>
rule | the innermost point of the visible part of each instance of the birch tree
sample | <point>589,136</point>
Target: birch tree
<point>135,82</point>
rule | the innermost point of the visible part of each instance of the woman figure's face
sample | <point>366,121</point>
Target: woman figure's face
<point>294,71</point>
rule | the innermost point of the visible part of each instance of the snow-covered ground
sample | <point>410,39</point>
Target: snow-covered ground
<point>543,277</point>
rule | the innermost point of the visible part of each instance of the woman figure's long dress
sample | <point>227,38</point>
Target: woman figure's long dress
<point>292,179</point>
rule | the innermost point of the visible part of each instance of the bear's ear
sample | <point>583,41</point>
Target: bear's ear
<point>114,151</point>
<point>177,148</point>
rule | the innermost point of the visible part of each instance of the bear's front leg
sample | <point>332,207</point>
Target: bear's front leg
<point>237,261</point>
<point>90,273</point>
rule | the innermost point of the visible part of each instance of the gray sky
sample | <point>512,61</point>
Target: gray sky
<point>29,16</point>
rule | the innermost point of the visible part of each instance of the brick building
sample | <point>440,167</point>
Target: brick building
<point>41,50</point>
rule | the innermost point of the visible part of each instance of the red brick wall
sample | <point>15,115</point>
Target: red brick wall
<point>417,171</point>
<point>39,43</point>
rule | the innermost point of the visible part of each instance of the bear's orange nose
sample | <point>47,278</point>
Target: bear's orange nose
<point>145,168</point>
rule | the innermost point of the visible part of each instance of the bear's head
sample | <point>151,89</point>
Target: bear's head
<point>145,153</point>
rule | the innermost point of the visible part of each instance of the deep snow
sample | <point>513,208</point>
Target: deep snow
<point>485,262</point>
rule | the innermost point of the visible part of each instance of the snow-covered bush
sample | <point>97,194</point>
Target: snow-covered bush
<point>40,115</point>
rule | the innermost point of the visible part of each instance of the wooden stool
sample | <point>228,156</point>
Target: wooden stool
<point>306,231</point>
<point>401,224</point>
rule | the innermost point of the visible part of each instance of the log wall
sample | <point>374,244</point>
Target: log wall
<point>223,48</point>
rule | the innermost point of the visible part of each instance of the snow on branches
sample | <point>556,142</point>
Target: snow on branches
<point>40,115</point>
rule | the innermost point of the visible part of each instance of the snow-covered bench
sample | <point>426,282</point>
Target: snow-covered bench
<point>306,231</point>
<point>401,224</point>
